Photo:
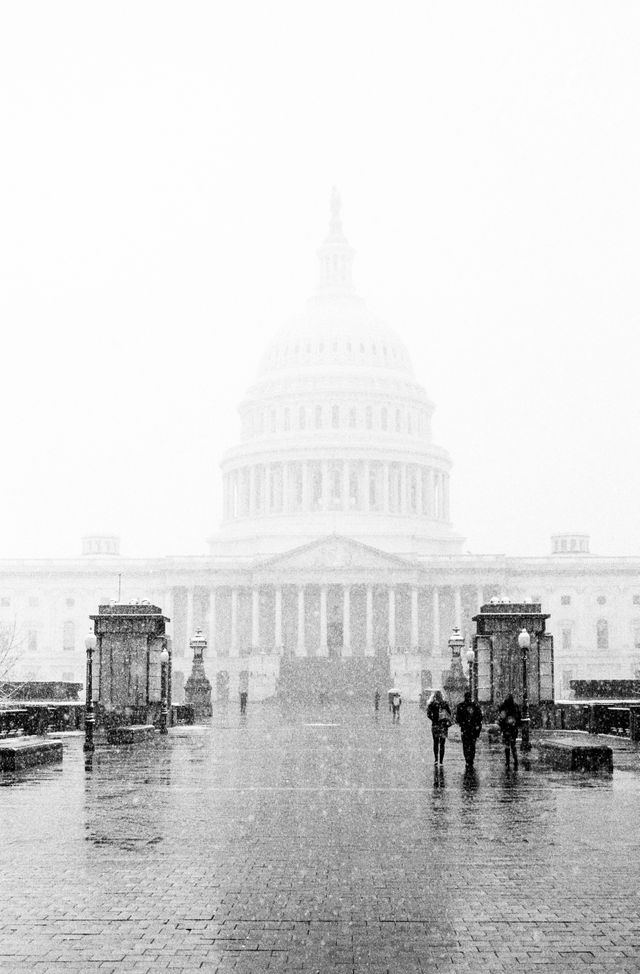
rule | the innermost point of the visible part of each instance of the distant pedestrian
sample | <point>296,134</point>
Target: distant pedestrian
<point>469,718</point>
<point>509,720</point>
<point>396,701</point>
<point>243,701</point>
<point>439,713</point>
<point>376,701</point>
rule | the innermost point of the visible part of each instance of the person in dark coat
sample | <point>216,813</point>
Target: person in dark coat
<point>396,701</point>
<point>509,720</point>
<point>469,718</point>
<point>376,701</point>
<point>243,701</point>
<point>439,713</point>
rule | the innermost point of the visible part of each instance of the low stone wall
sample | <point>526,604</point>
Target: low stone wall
<point>24,752</point>
<point>576,756</point>
<point>132,734</point>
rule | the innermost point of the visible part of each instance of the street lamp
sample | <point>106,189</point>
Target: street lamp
<point>90,644</point>
<point>164,706</point>
<point>470,660</point>
<point>524,641</point>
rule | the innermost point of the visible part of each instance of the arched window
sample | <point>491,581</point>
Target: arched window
<point>602,634</point>
<point>68,636</point>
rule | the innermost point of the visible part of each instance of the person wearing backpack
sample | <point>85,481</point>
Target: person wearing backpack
<point>439,713</point>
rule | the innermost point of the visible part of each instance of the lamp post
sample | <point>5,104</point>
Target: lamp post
<point>164,705</point>
<point>90,644</point>
<point>524,641</point>
<point>470,661</point>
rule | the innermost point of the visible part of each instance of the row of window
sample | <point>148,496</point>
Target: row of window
<point>288,354</point>
<point>601,600</point>
<point>68,638</point>
<point>33,602</point>
<point>385,418</point>
<point>602,635</point>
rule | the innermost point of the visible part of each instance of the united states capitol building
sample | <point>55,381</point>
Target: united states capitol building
<point>336,542</point>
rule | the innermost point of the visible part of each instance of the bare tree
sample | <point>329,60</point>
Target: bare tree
<point>11,646</point>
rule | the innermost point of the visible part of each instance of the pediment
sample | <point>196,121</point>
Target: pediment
<point>335,553</point>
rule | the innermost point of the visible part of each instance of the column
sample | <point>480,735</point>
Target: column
<point>323,620</point>
<point>419,491</point>
<point>278,619</point>
<point>285,487</point>
<point>346,505</point>
<point>211,641</point>
<point>392,619</point>
<point>266,507</point>
<point>346,621</point>
<point>479,598</point>
<point>234,621</point>
<point>369,649</point>
<point>445,496</point>
<point>436,625</point>
<point>385,488</point>
<point>403,489</point>
<point>301,648</point>
<point>306,505</point>
<point>325,485</point>
<point>457,596</point>
<point>414,618</point>
<point>366,493</point>
<point>255,618</point>
<point>252,490</point>
<point>189,622</point>
<point>432,493</point>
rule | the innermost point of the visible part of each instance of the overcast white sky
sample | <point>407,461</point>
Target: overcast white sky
<point>165,173</point>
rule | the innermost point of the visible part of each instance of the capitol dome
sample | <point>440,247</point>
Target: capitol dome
<point>336,433</point>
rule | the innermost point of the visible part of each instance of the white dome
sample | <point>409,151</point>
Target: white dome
<point>336,434</point>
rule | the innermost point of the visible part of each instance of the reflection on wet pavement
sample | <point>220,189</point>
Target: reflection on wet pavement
<point>321,841</point>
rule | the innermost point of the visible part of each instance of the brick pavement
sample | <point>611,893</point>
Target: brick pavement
<point>270,844</point>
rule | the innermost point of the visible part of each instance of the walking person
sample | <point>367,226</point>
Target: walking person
<point>509,720</point>
<point>439,713</point>
<point>243,701</point>
<point>396,701</point>
<point>376,701</point>
<point>469,718</point>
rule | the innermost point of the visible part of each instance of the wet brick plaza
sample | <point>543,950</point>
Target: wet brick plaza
<point>316,842</point>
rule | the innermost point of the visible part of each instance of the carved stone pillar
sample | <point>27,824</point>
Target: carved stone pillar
<point>414,618</point>
<point>369,648</point>
<point>234,621</point>
<point>346,621</point>
<point>392,619</point>
<point>255,618</point>
<point>277,636</point>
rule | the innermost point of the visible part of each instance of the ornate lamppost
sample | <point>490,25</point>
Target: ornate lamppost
<point>164,706</point>
<point>90,644</point>
<point>456,683</point>
<point>470,661</point>
<point>524,641</point>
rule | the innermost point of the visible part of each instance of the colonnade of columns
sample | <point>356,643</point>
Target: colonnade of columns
<point>309,619</point>
<point>330,485</point>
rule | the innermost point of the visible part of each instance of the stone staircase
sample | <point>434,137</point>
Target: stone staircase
<point>320,680</point>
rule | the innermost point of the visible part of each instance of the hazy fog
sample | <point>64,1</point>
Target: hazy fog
<point>165,174</point>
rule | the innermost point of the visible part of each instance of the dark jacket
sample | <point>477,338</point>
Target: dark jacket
<point>469,717</point>
<point>439,715</point>
<point>509,719</point>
